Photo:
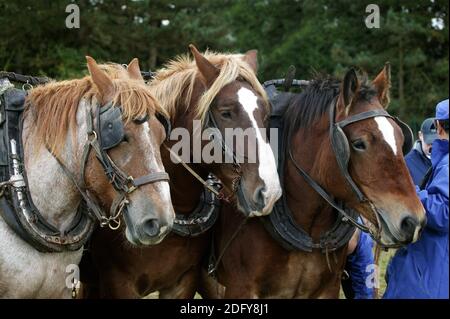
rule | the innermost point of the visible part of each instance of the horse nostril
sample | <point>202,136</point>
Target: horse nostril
<point>409,225</point>
<point>151,227</point>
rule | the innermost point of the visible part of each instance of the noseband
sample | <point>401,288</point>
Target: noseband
<point>106,134</point>
<point>341,150</point>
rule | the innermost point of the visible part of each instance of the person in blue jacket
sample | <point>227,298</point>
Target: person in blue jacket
<point>420,270</point>
<point>359,266</point>
<point>418,160</point>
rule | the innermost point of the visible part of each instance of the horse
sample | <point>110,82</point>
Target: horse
<point>263,261</point>
<point>84,140</point>
<point>211,85</point>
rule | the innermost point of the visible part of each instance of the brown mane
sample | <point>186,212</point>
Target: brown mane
<point>54,105</point>
<point>178,78</point>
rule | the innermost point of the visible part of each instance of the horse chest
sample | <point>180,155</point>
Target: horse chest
<point>299,275</point>
<point>27,273</point>
<point>312,277</point>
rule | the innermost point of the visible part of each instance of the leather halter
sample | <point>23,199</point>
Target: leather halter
<point>123,184</point>
<point>341,151</point>
<point>280,223</point>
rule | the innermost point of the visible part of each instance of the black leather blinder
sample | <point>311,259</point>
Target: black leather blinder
<point>110,126</point>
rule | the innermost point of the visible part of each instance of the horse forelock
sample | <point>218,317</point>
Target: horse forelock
<point>177,80</point>
<point>309,106</point>
<point>54,106</point>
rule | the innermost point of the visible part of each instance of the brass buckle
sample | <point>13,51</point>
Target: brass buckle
<point>131,187</point>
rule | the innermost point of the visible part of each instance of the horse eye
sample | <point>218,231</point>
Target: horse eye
<point>359,145</point>
<point>126,138</point>
<point>226,114</point>
<point>141,120</point>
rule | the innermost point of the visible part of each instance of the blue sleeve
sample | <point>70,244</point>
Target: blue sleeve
<point>435,200</point>
<point>357,265</point>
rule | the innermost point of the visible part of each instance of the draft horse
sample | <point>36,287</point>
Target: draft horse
<point>82,150</point>
<point>223,92</point>
<point>341,156</point>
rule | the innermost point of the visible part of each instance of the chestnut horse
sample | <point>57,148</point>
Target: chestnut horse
<point>61,121</point>
<point>255,265</point>
<point>226,86</point>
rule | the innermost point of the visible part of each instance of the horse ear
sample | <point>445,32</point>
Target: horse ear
<point>349,87</point>
<point>208,71</point>
<point>382,84</point>
<point>101,80</point>
<point>251,57</point>
<point>134,72</point>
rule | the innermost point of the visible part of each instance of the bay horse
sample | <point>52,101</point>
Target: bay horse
<point>188,89</point>
<point>255,265</point>
<point>60,120</point>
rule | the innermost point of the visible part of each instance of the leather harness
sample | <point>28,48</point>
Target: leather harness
<point>17,207</point>
<point>280,223</point>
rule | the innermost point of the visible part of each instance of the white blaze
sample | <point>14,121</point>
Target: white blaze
<point>267,168</point>
<point>387,130</point>
<point>152,164</point>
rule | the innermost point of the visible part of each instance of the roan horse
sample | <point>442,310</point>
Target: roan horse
<point>60,119</point>
<point>255,265</point>
<point>189,89</point>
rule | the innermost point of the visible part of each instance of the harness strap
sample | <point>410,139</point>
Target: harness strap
<point>150,178</point>
<point>327,197</point>
<point>212,268</point>
<point>193,173</point>
<point>92,207</point>
<point>224,146</point>
<point>363,116</point>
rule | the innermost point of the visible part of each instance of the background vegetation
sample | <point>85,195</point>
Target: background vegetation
<point>314,35</point>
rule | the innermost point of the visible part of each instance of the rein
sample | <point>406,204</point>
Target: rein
<point>327,197</point>
<point>219,195</point>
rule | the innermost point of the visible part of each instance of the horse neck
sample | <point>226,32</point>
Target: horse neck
<point>185,188</point>
<point>53,192</point>
<point>309,209</point>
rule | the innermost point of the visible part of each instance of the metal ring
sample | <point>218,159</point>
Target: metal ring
<point>27,86</point>
<point>114,224</point>
<point>94,133</point>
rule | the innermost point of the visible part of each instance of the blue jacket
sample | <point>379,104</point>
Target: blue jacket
<point>420,270</point>
<point>359,267</point>
<point>417,163</point>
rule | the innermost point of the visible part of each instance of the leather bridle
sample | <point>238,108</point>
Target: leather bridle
<point>123,183</point>
<point>341,150</point>
<point>211,123</point>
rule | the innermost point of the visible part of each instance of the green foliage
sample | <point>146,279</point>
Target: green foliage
<point>314,35</point>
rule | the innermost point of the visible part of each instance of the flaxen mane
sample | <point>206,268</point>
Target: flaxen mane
<point>177,79</point>
<point>54,106</point>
